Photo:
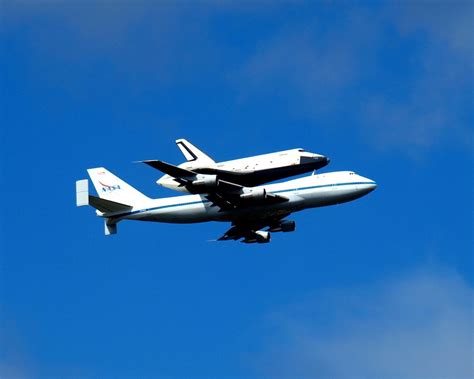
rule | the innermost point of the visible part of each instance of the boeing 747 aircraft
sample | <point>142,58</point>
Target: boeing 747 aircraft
<point>253,212</point>
<point>251,171</point>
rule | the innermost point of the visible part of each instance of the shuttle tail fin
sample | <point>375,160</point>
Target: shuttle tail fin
<point>192,153</point>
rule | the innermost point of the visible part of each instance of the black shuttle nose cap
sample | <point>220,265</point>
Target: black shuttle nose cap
<point>324,161</point>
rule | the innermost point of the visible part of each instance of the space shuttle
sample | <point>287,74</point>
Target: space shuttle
<point>249,172</point>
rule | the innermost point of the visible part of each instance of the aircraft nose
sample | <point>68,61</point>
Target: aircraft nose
<point>366,185</point>
<point>370,185</point>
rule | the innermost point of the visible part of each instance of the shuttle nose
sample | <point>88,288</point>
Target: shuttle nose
<point>314,161</point>
<point>321,160</point>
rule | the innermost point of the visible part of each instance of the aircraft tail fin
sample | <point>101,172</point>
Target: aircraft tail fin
<point>192,153</point>
<point>113,189</point>
<point>102,205</point>
<point>115,196</point>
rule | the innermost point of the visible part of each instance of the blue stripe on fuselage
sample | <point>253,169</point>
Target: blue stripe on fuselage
<point>207,201</point>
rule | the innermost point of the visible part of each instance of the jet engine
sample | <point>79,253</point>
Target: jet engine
<point>205,181</point>
<point>262,237</point>
<point>283,226</point>
<point>257,194</point>
<point>259,236</point>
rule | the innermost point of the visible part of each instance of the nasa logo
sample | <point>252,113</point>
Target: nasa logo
<point>109,188</point>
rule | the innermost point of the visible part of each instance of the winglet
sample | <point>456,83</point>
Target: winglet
<point>82,192</point>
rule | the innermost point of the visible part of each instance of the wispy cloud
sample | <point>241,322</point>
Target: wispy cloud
<point>401,75</point>
<point>435,106</point>
<point>404,73</point>
<point>15,359</point>
<point>162,42</point>
<point>310,65</point>
<point>448,23</point>
<point>415,326</point>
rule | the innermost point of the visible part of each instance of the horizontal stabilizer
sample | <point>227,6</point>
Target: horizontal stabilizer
<point>107,206</point>
<point>171,170</point>
<point>103,205</point>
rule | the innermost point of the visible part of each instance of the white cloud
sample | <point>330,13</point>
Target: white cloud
<point>416,326</point>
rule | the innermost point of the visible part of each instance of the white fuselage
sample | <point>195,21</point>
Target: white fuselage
<point>308,192</point>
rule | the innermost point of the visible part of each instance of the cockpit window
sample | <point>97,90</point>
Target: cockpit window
<point>302,150</point>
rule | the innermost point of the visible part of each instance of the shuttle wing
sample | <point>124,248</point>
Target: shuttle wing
<point>222,193</point>
<point>191,179</point>
<point>174,171</point>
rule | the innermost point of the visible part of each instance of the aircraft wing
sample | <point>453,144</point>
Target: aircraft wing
<point>249,231</point>
<point>222,193</point>
<point>235,233</point>
<point>220,201</point>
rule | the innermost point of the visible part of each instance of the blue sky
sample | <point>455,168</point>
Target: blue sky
<point>378,288</point>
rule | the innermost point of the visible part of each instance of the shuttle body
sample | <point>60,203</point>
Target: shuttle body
<point>249,171</point>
